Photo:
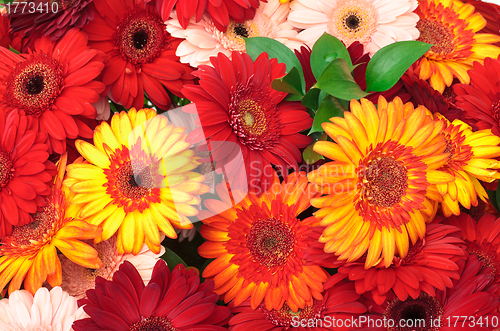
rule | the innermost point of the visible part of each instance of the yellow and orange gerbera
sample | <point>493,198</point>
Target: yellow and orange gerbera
<point>29,254</point>
<point>258,246</point>
<point>384,159</point>
<point>451,26</point>
<point>136,180</point>
<point>472,157</point>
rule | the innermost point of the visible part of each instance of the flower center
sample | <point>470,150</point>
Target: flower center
<point>495,108</point>
<point>232,39</point>
<point>6,168</point>
<point>270,242</point>
<point>476,212</point>
<point>435,33</point>
<point>134,185</point>
<point>352,21</point>
<point>141,37</point>
<point>241,30</point>
<point>386,182</point>
<point>35,84</point>
<point>43,222</point>
<point>252,117</point>
<point>419,314</point>
<point>285,316</point>
<point>485,252</point>
<point>153,323</point>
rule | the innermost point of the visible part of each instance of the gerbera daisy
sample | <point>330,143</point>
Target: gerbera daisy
<point>239,112</point>
<point>481,99</point>
<point>49,18</point>
<point>429,265</point>
<point>25,171</point>
<point>77,279</point>
<point>384,161</point>
<point>259,243</point>
<point>170,301</point>
<point>137,180</point>
<point>46,310</point>
<point>220,12</point>
<point>472,295</point>
<point>373,23</point>
<point>491,12</point>
<point>203,40</point>
<point>451,26</point>
<point>140,51</point>
<point>472,158</point>
<point>29,254</point>
<point>482,239</point>
<point>339,302</point>
<point>52,84</point>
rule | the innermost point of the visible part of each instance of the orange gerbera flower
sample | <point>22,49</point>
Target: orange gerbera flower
<point>29,254</point>
<point>137,180</point>
<point>451,26</point>
<point>472,157</point>
<point>258,246</point>
<point>384,160</point>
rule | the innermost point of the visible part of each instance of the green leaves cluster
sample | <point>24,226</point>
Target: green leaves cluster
<point>332,67</point>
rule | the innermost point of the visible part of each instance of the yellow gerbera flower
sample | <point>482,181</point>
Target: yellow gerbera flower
<point>472,157</point>
<point>29,254</point>
<point>451,26</point>
<point>137,180</point>
<point>384,160</point>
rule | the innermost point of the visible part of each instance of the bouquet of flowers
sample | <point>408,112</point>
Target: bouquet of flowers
<point>245,165</point>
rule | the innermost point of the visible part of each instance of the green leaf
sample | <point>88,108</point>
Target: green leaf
<point>172,259</point>
<point>13,50</point>
<point>258,45</point>
<point>329,107</point>
<point>326,49</point>
<point>289,83</point>
<point>309,155</point>
<point>310,100</point>
<point>390,63</point>
<point>496,201</point>
<point>338,81</point>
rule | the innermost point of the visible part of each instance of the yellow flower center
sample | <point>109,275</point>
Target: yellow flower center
<point>285,316</point>
<point>270,242</point>
<point>353,21</point>
<point>252,117</point>
<point>232,39</point>
<point>437,34</point>
<point>386,182</point>
<point>6,168</point>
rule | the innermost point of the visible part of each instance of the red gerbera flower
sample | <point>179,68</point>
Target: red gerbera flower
<point>472,297</point>
<point>171,301</point>
<point>481,99</point>
<point>482,239</point>
<point>49,18</point>
<point>25,172</point>
<point>141,53</point>
<point>429,264</point>
<point>339,303</point>
<point>221,12</point>
<point>237,105</point>
<point>52,85</point>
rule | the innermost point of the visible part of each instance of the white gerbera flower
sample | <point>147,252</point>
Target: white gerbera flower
<point>46,311</point>
<point>203,39</point>
<point>374,23</point>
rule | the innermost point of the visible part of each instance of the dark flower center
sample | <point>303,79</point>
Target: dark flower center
<point>285,316</point>
<point>141,37</point>
<point>476,212</point>
<point>270,242</point>
<point>241,31</point>
<point>387,181</point>
<point>153,323</point>
<point>418,314</point>
<point>43,222</point>
<point>6,168</point>
<point>353,21</point>
<point>134,184</point>
<point>435,33</point>
<point>35,84</point>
